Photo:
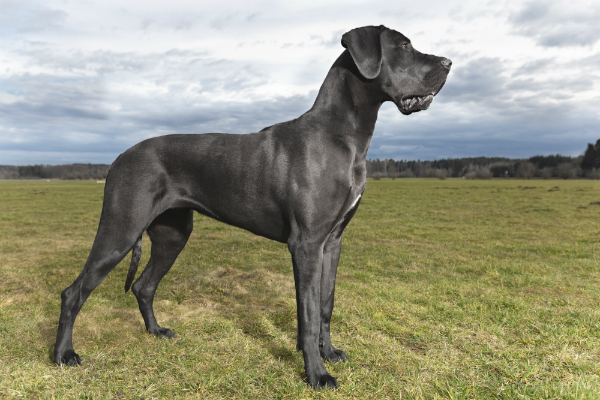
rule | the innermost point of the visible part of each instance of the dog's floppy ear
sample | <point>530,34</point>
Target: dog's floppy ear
<point>365,48</point>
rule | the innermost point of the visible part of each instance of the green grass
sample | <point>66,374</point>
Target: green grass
<point>446,289</point>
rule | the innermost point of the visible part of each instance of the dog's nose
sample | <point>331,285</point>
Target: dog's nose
<point>447,63</point>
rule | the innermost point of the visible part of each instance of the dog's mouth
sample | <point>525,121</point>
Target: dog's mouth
<point>413,103</point>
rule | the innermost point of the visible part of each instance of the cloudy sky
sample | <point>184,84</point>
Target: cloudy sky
<point>81,81</point>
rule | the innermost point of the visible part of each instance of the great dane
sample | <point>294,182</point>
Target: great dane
<point>297,182</point>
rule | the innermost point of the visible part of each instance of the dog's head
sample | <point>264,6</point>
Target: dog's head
<point>406,76</point>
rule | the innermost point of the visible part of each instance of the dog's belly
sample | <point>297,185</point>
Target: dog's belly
<point>263,220</point>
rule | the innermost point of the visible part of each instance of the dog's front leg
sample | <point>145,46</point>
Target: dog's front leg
<point>331,257</point>
<point>307,257</point>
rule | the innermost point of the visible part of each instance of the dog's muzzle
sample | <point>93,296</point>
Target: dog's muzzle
<point>412,103</point>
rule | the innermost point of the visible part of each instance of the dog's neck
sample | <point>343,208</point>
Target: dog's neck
<point>349,104</point>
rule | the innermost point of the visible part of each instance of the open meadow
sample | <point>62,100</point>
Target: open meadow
<point>446,289</point>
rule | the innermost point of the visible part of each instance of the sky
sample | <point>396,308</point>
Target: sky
<point>82,81</point>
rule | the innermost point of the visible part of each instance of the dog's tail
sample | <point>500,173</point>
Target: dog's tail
<point>135,261</point>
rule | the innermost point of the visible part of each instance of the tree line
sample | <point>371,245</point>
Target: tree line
<point>553,166</point>
<point>68,171</point>
<point>591,157</point>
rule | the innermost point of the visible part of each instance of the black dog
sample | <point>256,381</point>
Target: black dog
<point>298,182</point>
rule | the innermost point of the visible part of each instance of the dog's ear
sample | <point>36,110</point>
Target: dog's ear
<point>365,48</point>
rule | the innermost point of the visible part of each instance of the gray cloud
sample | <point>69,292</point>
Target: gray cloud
<point>440,133</point>
<point>79,114</point>
<point>502,121</point>
<point>25,18</point>
<point>588,65</point>
<point>333,40</point>
<point>478,80</point>
<point>184,25</point>
<point>526,93</point>
<point>565,87</point>
<point>146,23</point>
<point>45,96</point>
<point>223,20</point>
<point>253,17</point>
<point>105,62</point>
<point>109,137</point>
<point>226,116</point>
<point>552,24</point>
<point>532,67</point>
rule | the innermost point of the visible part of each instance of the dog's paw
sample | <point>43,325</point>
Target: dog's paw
<point>334,356</point>
<point>162,332</point>
<point>323,381</point>
<point>69,358</point>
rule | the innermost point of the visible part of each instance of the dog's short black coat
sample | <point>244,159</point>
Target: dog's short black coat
<point>298,182</point>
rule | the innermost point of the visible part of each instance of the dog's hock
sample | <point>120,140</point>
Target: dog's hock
<point>365,48</point>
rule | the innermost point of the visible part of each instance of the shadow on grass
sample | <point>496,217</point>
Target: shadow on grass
<point>259,300</point>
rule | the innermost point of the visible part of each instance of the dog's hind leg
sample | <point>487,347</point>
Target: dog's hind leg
<point>113,241</point>
<point>169,233</point>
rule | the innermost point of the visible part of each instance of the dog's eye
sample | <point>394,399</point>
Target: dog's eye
<point>405,46</point>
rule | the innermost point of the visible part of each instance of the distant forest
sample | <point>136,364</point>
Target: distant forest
<point>483,168</point>
<point>68,171</point>
<point>556,166</point>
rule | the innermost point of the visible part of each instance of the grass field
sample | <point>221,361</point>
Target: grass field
<point>446,289</point>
